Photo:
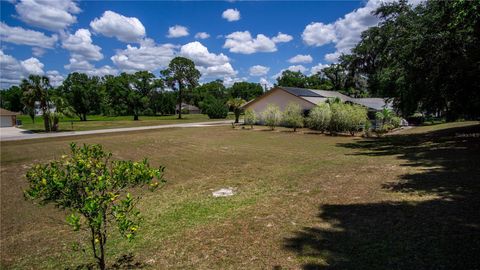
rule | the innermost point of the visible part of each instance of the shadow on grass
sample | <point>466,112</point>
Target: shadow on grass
<point>441,233</point>
<point>126,261</point>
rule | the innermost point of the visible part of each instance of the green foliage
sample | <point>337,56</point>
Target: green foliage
<point>250,117</point>
<point>181,75</point>
<point>245,90</point>
<point>215,108</point>
<point>272,116</point>
<point>347,118</point>
<point>94,188</point>
<point>396,121</point>
<point>236,105</point>
<point>215,89</point>
<point>83,93</point>
<point>319,117</point>
<point>426,57</point>
<point>292,79</point>
<point>11,99</point>
<point>36,89</point>
<point>293,116</point>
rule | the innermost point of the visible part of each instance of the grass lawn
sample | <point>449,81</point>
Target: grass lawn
<point>105,122</point>
<point>304,201</point>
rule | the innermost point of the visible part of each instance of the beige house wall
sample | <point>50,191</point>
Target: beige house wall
<point>280,98</point>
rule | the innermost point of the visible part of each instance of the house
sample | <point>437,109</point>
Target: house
<point>7,118</point>
<point>309,98</point>
<point>187,108</point>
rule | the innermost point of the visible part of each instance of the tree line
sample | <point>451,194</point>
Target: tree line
<point>136,94</point>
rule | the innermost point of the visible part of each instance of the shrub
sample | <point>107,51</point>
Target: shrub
<point>272,116</point>
<point>216,109</point>
<point>89,183</point>
<point>339,121</point>
<point>357,118</point>
<point>293,116</point>
<point>250,117</point>
<point>319,117</point>
<point>396,121</point>
<point>148,111</point>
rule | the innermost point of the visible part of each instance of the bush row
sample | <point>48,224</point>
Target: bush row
<point>336,117</point>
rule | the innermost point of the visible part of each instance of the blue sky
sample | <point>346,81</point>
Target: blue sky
<point>232,41</point>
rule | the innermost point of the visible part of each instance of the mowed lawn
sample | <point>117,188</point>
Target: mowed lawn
<point>304,201</point>
<point>105,122</point>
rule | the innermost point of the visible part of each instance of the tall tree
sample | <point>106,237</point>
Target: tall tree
<point>11,99</point>
<point>292,79</point>
<point>36,88</point>
<point>181,75</point>
<point>143,84</point>
<point>245,90</point>
<point>82,92</point>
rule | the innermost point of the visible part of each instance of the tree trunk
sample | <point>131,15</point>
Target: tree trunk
<point>180,101</point>
<point>135,117</point>
<point>237,116</point>
<point>84,117</point>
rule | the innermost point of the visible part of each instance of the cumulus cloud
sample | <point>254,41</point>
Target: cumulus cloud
<point>258,70</point>
<point>55,77</point>
<point>111,24</point>
<point>147,56</point>
<point>345,32</point>
<point>209,64</point>
<point>88,68</point>
<point>13,71</point>
<point>317,68</point>
<point>300,58</point>
<point>177,31</point>
<point>281,37</point>
<point>243,42</point>
<point>21,36</point>
<point>81,47</point>
<point>264,82</point>
<point>51,15</point>
<point>231,15</point>
<point>202,35</point>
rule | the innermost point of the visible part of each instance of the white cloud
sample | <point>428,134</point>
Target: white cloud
<point>264,82</point>
<point>51,15</point>
<point>13,71</point>
<point>294,68</point>
<point>201,56</point>
<point>318,34</point>
<point>281,37</point>
<point>332,57</point>
<point>317,68</point>
<point>21,36</point>
<point>88,68</point>
<point>243,42</point>
<point>38,52</point>
<point>231,15</point>
<point>81,47</point>
<point>148,56</point>
<point>258,70</point>
<point>209,64</point>
<point>32,66</point>
<point>345,32</point>
<point>111,24</point>
<point>300,58</point>
<point>177,31</point>
<point>55,77</point>
<point>202,35</point>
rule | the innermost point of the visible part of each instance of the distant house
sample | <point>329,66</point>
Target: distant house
<point>187,108</point>
<point>7,118</point>
<point>309,98</point>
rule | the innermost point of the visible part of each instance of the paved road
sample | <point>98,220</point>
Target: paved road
<point>16,134</point>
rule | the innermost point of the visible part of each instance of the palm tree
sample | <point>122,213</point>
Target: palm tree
<point>385,115</point>
<point>236,104</point>
<point>36,88</point>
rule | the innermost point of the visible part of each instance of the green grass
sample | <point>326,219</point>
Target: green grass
<point>104,122</point>
<point>408,201</point>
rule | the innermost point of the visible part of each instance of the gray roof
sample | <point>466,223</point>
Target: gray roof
<point>314,95</point>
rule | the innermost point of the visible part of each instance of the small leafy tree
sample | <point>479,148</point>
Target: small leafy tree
<point>236,104</point>
<point>250,117</point>
<point>93,188</point>
<point>215,108</point>
<point>292,116</point>
<point>272,116</point>
<point>319,117</point>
